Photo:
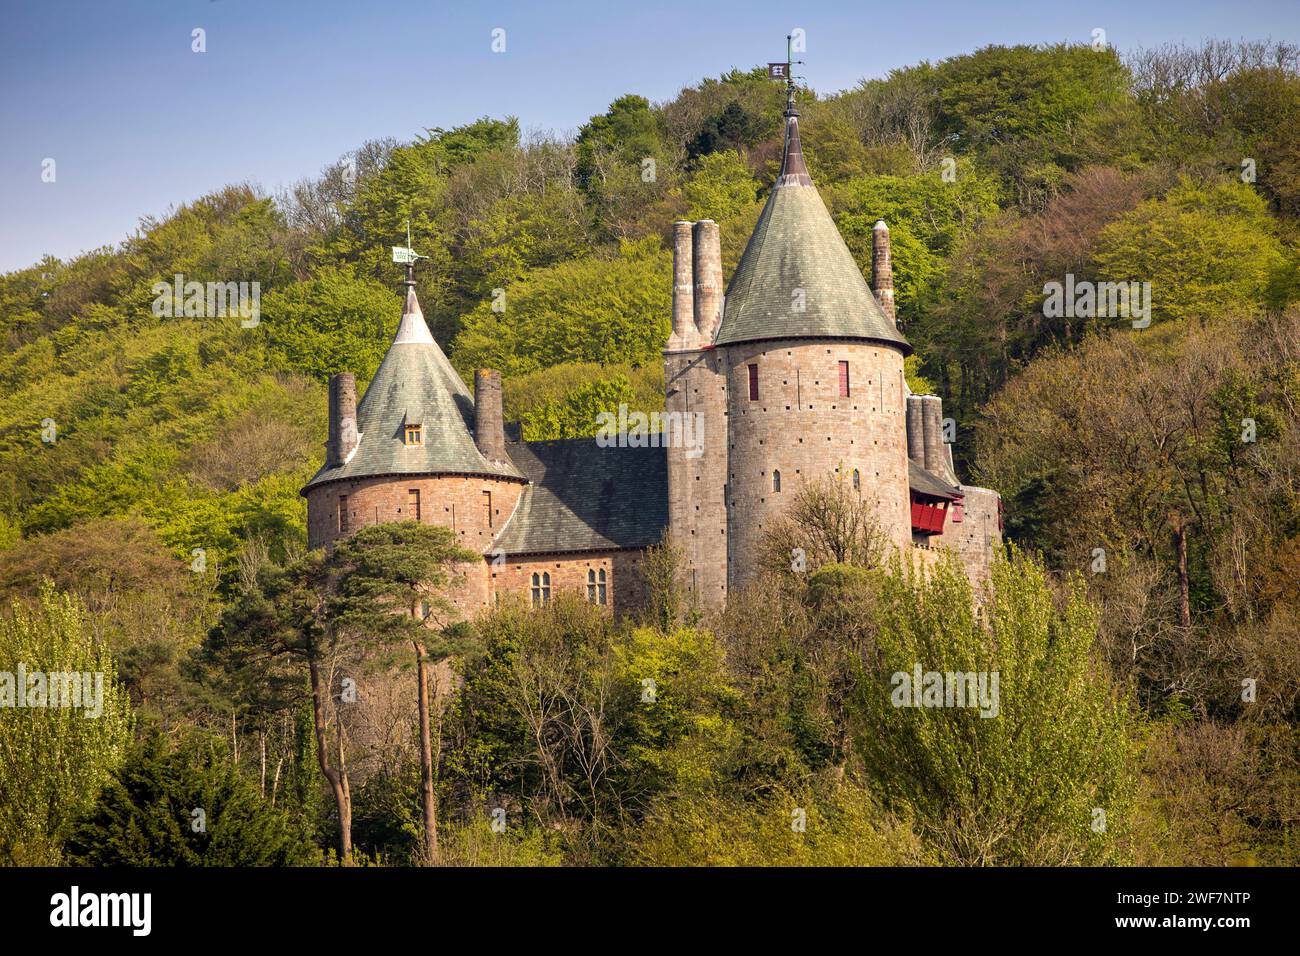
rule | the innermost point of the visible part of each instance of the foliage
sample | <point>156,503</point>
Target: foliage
<point>184,806</point>
<point>1017,782</point>
<point>53,759</point>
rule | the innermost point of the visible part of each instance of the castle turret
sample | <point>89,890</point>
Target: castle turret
<point>814,370</point>
<point>407,451</point>
<point>696,403</point>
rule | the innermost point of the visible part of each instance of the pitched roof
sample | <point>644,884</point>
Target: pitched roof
<point>416,385</point>
<point>582,497</point>
<point>796,246</point>
<point>928,483</point>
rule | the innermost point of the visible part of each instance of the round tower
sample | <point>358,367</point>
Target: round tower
<point>814,371</point>
<point>417,448</point>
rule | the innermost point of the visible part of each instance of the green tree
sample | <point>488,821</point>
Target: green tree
<point>1017,782</point>
<point>53,758</point>
<point>1204,249</point>
<point>392,578</point>
<point>589,310</point>
<point>331,323</point>
<point>184,806</point>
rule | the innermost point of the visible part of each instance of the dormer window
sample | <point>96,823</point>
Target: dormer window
<point>414,435</point>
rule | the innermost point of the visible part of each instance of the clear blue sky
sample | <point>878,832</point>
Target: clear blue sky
<point>137,123</point>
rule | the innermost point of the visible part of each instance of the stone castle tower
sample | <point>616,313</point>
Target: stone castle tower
<point>799,376</point>
<point>795,374</point>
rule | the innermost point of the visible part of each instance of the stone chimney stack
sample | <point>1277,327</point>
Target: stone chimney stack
<point>489,422</point>
<point>684,335</point>
<point>915,430</point>
<point>882,270</point>
<point>938,461</point>
<point>708,279</point>
<point>343,419</point>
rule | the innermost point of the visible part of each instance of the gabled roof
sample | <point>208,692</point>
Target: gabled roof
<point>415,384</point>
<point>795,246</point>
<point>582,497</point>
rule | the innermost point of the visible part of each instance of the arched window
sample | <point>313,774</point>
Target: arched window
<point>776,481</point>
<point>546,587</point>
<point>596,593</point>
<point>857,480</point>
<point>537,589</point>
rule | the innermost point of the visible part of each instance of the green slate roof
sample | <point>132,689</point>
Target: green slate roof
<point>582,497</point>
<point>415,384</point>
<point>796,246</point>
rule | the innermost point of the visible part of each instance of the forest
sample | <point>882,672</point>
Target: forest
<point>261,706</point>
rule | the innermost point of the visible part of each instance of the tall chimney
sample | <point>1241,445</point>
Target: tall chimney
<point>937,461</point>
<point>489,423</point>
<point>708,279</point>
<point>343,419</point>
<point>882,270</point>
<point>684,334</point>
<point>915,430</point>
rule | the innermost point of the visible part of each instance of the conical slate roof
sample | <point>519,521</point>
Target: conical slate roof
<point>795,246</point>
<point>416,385</point>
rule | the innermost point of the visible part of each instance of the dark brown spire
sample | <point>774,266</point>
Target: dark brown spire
<point>793,170</point>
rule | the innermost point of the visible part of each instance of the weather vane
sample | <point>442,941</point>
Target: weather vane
<point>785,71</point>
<point>405,255</point>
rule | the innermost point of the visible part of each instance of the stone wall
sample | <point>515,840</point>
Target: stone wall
<point>802,427</point>
<point>452,501</point>
<point>976,538</point>
<point>625,590</point>
<point>697,521</point>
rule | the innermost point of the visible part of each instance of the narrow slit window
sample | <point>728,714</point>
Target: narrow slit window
<point>343,513</point>
<point>591,586</point>
<point>776,481</point>
<point>546,587</point>
<point>844,380</point>
<point>753,383</point>
<point>413,503</point>
<point>600,586</point>
<point>857,480</point>
<point>537,589</point>
<point>487,507</point>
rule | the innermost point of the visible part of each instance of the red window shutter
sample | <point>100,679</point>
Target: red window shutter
<point>753,383</point>
<point>844,380</point>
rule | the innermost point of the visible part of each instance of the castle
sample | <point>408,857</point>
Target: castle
<point>794,374</point>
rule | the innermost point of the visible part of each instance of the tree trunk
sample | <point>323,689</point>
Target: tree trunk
<point>338,778</point>
<point>1184,588</point>
<point>426,760</point>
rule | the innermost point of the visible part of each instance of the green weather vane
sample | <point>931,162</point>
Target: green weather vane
<point>405,255</point>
